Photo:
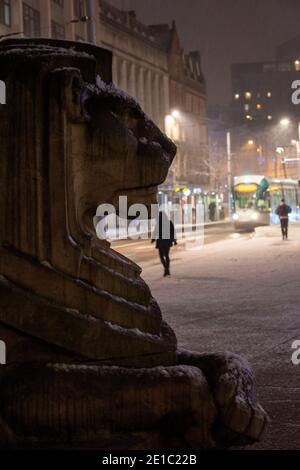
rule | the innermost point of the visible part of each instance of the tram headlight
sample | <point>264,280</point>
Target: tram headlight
<point>254,216</point>
<point>235,217</point>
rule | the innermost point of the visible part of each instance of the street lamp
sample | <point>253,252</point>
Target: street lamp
<point>284,122</point>
<point>175,113</point>
<point>229,177</point>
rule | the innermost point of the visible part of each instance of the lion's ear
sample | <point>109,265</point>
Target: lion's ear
<point>73,94</point>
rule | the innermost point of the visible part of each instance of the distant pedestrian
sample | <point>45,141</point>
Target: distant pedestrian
<point>283,211</point>
<point>212,211</point>
<point>164,235</point>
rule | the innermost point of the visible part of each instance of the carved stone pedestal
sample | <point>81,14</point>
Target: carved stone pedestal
<point>90,361</point>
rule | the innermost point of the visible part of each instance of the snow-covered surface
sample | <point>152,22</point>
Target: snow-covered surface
<point>155,373</point>
<point>242,295</point>
<point>101,88</point>
<point>40,49</point>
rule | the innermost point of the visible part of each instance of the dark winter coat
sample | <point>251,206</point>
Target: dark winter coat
<point>283,211</point>
<point>164,232</point>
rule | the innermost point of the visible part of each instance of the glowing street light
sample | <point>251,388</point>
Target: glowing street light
<point>285,122</point>
<point>250,142</point>
<point>176,114</point>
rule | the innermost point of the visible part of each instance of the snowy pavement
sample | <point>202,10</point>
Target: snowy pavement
<point>242,295</point>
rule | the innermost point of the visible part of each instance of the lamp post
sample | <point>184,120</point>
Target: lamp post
<point>286,122</point>
<point>229,176</point>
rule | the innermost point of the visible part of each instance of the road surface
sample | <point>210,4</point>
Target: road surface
<point>142,251</point>
<point>240,293</point>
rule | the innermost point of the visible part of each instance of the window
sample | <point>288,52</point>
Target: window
<point>284,67</point>
<point>78,8</point>
<point>57,30</point>
<point>5,12</point>
<point>31,21</point>
<point>297,65</point>
<point>2,92</point>
<point>59,2</point>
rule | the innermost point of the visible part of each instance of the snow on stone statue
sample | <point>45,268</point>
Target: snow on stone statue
<point>90,362</point>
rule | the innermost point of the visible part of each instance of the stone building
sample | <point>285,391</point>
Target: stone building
<point>148,62</point>
<point>186,124</point>
<point>140,65</point>
<point>262,107</point>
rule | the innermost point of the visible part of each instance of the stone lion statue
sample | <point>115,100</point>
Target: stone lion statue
<point>90,361</point>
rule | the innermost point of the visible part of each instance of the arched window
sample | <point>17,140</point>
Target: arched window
<point>2,92</point>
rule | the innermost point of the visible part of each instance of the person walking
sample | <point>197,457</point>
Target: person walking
<point>164,236</point>
<point>212,210</point>
<point>283,211</point>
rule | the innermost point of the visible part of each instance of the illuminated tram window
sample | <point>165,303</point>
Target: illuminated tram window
<point>2,92</point>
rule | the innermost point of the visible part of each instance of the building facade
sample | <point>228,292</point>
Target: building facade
<point>186,124</point>
<point>148,63</point>
<point>140,66</point>
<point>289,50</point>
<point>265,117</point>
<point>262,91</point>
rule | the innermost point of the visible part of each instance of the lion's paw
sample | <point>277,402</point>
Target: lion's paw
<point>241,420</point>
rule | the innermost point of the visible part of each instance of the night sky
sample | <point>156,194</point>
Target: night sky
<point>225,31</point>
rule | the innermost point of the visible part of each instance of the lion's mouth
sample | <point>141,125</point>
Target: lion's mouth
<point>139,195</point>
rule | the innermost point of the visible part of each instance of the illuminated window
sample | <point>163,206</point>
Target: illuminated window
<point>258,106</point>
<point>269,94</point>
<point>236,96</point>
<point>2,92</point>
<point>5,12</point>
<point>248,95</point>
<point>297,65</point>
<point>247,107</point>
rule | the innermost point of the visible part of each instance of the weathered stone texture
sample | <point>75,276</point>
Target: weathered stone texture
<point>90,360</point>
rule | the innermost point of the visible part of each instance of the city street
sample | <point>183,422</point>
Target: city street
<point>141,251</point>
<point>174,124</point>
<point>239,293</point>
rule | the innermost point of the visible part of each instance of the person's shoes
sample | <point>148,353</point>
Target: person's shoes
<point>165,273</point>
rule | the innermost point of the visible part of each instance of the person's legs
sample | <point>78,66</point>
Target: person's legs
<point>162,256</point>
<point>282,228</point>
<point>286,225</point>
<point>167,258</point>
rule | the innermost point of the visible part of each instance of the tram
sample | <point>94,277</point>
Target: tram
<point>256,197</point>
